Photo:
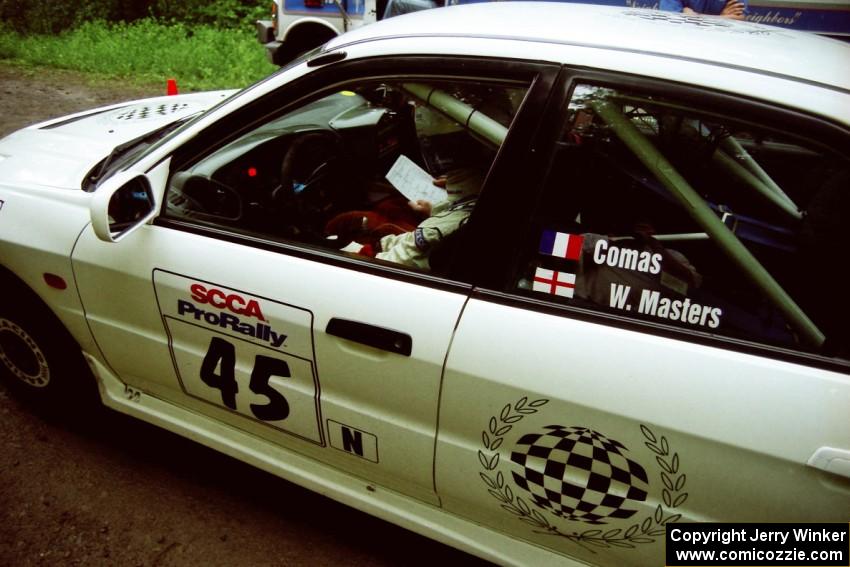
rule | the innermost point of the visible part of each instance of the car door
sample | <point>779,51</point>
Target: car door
<point>238,303</point>
<point>667,341</point>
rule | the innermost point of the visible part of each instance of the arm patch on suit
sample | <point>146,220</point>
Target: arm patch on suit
<point>420,240</point>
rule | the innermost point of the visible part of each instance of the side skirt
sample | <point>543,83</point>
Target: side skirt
<point>388,505</point>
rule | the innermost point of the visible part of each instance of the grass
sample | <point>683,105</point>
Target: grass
<point>147,52</point>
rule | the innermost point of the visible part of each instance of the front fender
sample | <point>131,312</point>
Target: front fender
<point>38,229</point>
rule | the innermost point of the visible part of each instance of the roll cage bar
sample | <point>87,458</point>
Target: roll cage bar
<point>745,168</point>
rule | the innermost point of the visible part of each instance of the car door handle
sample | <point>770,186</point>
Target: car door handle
<point>836,461</point>
<point>371,335</point>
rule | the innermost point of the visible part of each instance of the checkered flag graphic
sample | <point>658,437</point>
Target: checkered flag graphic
<point>579,474</point>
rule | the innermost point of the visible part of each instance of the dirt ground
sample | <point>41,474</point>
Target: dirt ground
<point>28,95</point>
<point>115,491</point>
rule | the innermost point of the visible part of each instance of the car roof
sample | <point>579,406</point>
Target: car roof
<point>742,45</point>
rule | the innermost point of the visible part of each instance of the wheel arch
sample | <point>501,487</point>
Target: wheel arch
<point>303,35</point>
<point>78,386</point>
<point>11,282</point>
<point>301,29</point>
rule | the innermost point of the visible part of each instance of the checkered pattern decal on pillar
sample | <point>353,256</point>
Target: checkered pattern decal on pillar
<point>579,474</point>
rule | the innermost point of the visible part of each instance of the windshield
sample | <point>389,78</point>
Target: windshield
<point>130,152</point>
<point>123,154</point>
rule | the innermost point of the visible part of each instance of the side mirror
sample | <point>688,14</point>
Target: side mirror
<point>121,205</point>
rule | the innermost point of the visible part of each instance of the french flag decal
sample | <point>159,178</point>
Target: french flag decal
<point>561,244</point>
<point>556,283</point>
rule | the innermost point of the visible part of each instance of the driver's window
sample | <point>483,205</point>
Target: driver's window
<point>383,169</point>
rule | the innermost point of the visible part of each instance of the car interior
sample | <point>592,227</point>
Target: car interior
<point>290,177</point>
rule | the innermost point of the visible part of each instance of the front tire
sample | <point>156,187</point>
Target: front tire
<point>39,361</point>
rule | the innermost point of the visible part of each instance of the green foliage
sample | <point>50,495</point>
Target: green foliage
<point>219,13</point>
<point>146,51</point>
<point>52,17</point>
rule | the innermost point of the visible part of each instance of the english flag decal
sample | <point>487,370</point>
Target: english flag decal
<point>553,282</point>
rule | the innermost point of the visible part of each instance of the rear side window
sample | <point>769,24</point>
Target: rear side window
<point>658,211</point>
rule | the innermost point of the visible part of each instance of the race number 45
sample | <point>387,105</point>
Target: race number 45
<point>218,371</point>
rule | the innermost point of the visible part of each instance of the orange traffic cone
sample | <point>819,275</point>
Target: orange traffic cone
<point>171,87</point>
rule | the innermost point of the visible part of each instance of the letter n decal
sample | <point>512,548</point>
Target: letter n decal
<point>353,441</point>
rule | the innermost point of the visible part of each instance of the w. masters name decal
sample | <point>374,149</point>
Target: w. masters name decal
<point>559,478</point>
<point>637,275</point>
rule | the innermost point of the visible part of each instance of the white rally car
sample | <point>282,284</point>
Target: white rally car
<point>625,309</point>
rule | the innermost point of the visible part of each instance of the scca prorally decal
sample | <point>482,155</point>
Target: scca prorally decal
<point>231,301</point>
<point>238,305</point>
<point>576,475</point>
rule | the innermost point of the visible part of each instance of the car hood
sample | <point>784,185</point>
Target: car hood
<point>61,152</point>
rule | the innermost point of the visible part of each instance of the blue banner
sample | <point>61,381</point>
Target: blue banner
<point>324,7</point>
<point>820,19</point>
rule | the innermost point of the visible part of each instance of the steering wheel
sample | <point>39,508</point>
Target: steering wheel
<point>307,191</point>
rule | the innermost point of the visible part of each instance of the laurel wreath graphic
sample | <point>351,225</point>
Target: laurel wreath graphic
<point>644,531</point>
